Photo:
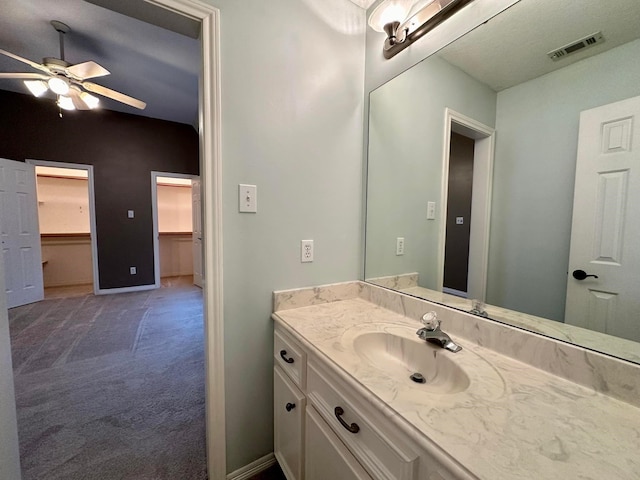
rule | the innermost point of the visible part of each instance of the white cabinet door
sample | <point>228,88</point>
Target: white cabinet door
<point>20,233</point>
<point>605,228</point>
<point>288,415</point>
<point>196,213</point>
<point>326,457</point>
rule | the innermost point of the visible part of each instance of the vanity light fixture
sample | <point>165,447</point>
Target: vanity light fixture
<point>405,21</point>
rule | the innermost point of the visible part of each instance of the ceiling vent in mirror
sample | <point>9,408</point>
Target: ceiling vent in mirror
<point>586,42</point>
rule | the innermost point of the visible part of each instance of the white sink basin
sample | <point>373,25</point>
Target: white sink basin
<point>400,357</point>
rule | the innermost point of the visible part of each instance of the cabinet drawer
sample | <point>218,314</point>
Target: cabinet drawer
<point>290,357</point>
<point>328,458</point>
<point>383,454</point>
<point>288,415</point>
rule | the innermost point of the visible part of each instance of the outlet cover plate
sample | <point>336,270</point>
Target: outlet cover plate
<point>306,251</point>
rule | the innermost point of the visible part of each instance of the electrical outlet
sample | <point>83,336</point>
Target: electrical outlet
<point>306,251</point>
<point>431,210</point>
<point>133,270</point>
<point>130,214</point>
<point>400,246</point>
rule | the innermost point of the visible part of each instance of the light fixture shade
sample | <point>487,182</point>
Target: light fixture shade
<point>90,100</point>
<point>36,87</point>
<point>65,103</point>
<point>58,85</point>
<point>389,11</point>
<point>420,5</point>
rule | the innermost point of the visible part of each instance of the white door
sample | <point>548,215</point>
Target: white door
<point>605,232</point>
<point>20,233</point>
<point>196,212</point>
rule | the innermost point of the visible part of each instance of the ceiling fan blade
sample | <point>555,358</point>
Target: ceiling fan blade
<point>120,97</point>
<point>77,101</point>
<point>35,65</point>
<point>87,70</point>
<point>25,76</point>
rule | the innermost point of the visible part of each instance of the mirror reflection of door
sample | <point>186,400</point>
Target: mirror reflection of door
<point>605,229</point>
<point>458,219</point>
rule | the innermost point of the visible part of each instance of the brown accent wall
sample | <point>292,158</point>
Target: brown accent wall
<point>456,257</point>
<point>123,150</point>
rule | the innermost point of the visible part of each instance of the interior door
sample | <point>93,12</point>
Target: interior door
<point>20,233</point>
<point>196,212</point>
<point>606,222</point>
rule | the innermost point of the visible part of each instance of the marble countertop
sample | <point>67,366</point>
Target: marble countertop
<point>513,421</point>
<point>600,342</point>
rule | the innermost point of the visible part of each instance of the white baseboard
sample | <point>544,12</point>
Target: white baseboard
<point>139,288</point>
<point>253,468</point>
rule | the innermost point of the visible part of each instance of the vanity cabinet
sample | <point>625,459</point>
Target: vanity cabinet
<point>327,457</point>
<point>324,430</point>
<point>289,404</point>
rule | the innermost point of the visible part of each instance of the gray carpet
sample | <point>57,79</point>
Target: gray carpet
<point>111,387</point>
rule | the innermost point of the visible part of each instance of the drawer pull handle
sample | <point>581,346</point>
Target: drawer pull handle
<point>353,428</point>
<point>283,354</point>
<point>290,406</point>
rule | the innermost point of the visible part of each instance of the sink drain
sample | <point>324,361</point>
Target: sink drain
<point>417,377</point>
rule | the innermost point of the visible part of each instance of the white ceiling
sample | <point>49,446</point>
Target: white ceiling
<point>364,3</point>
<point>512,47</point>
<point>150,63</point>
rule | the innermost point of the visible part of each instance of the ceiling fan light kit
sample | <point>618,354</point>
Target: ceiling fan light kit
<point>36,87</point>
<point>67,81</point>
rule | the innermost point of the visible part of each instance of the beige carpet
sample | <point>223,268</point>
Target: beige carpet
<point>111,387</point>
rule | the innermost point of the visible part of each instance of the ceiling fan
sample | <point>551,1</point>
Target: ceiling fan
<point>68,81</point>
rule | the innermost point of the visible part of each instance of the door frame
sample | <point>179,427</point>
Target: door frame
<point>210,133</point>
<point>92,209</point>
<point>483,154</point>
<point>154,210</point>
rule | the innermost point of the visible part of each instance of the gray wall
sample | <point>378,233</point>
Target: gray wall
<point>292,102</point>
<point>406,132</point>
<point>537,125</point>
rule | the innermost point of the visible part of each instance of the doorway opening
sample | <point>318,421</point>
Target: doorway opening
<point>177,226</point>
<point>458,219</point>
<point>66,216</point>
<point>467,172</point>
<point>209,129</point>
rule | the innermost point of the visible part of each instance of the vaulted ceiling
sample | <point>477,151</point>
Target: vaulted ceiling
<point>147,62</point>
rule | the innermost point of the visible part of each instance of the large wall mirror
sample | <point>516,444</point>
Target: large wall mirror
<point>506,182</point>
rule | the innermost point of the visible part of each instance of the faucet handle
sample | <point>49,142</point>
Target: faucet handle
<point>430,321</point>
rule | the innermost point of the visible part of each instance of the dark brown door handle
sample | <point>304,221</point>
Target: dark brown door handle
<point>581,275</point>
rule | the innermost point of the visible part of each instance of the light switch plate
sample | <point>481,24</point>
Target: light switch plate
<point>130,213</point>
<point>248,198</point>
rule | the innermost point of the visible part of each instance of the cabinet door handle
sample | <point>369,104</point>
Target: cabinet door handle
<point>290,406</point>
<point>353,428</point>
<point>283,354</point>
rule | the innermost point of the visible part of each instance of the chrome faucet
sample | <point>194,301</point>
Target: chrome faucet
<point>431,333</point>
